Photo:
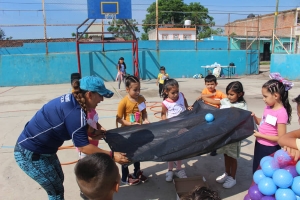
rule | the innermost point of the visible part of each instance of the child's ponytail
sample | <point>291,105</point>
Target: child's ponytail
<point>286,104</point>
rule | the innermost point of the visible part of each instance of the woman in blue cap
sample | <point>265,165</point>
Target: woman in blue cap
<point>61,119</point>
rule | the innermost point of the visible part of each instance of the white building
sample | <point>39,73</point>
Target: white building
<point>173,34</point>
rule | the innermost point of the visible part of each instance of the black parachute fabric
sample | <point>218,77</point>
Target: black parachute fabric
<point>185,136</point>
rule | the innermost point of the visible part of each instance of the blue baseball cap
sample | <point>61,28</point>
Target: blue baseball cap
<point>95,84</point>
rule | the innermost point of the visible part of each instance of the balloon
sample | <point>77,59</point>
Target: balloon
<point>269,167</point>
<point>296,185</point>
<point>267,186</point>
<point>282,158</point>
<point>285,194</point>
<point>298,167</point>
<point>265,159</point>
<point>254,193</point>
<point>268,198</point>
<point>258,175</point>
<point>292,170</point>
<point>247,197</point>
<point>209,117</point>
<point>297,197</point>
<point>282,178</point>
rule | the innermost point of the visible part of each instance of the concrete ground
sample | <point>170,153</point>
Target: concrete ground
<point>19,104</point>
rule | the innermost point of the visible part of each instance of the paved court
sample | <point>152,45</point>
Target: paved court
<point>19,104</point>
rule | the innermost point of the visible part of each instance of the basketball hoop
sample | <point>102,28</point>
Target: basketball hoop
<point>110,17</point>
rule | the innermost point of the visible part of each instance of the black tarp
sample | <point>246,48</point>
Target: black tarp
<point>185,136</point>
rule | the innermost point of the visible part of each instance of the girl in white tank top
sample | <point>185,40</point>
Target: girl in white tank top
<point>174,103</point>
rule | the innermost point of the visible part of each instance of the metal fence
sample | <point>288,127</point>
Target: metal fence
<point>47,21</point>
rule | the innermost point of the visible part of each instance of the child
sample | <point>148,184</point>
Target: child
<point>235,98</point>
<point>201,193</point>
<point>97,176</point>
<point>174,103</point>
<point>276,115</point>
<point>291,141</point>
<point>132,105</point>
<point>211,96</point>
<point>121,70</point>
<point>162,76</point>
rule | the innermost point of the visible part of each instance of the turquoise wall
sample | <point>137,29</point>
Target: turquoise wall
<point>287,65</point>
<point>28,66</point>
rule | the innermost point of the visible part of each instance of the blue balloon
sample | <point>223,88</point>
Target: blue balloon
<point>267,186</point>
<point>265,159</point>
<point>269,167</point>
<point>282,158</point>
<point>296,185</point>
<point>268,198</point>
<point>298,167</point>
<point>282,178</point>
<point>297,197</point>
<point>285,194</point>
<point>209,117</point>
<point>258,175</point>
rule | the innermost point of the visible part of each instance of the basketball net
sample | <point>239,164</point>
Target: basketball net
<point>110,17</point>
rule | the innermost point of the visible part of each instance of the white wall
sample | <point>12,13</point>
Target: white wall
<point>170,34</point>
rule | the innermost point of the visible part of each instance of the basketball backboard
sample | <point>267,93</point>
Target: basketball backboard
<point>100,9</point>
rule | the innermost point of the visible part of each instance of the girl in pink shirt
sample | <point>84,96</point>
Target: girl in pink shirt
<point>276,115</point>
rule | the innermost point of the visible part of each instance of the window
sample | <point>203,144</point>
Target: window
<point>164,36</point>
<point>243,46</point>
<point>286,45</point>
<point>187,37</point>
<point>175,36</point>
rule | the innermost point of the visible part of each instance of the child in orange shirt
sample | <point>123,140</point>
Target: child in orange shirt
<point>211,96</point>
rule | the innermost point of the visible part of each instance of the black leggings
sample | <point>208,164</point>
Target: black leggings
<point>261,151</point>
<point>160,89</point>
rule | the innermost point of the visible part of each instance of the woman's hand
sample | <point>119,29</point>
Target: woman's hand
<point>190,108</point>
<point>294,153</point>
<point>120,158</point>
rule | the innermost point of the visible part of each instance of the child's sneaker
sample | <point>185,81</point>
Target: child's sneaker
<point>131,181</point>
<point>222,178</point>
<point>140,176</point>
<point>169,176</point>
<point>229,183</point>
<point>181,174</point>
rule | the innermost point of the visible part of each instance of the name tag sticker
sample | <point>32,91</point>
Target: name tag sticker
<point>271,120</point>
<point>142,106</point>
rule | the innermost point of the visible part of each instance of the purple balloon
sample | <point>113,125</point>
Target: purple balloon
<point>268,198</point>
<point>292,170</point>
<point>247,197</point>
<point>282,158</point>
<point>254,193</point>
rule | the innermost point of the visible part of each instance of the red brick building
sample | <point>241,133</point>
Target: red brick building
<point>264,24</point>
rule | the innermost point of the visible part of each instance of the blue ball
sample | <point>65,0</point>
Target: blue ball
<point>267,186</point>
<point>285,194</point>
<point>283,158</point>
<point>258,175</point>
<point>296,185</point>
<point>209,117</point>
<point>269,167</point>
<point>282,178</point>
<point>298,167</point>
<point>265,159</point>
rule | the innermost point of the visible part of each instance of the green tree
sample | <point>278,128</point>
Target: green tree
<point>144,36</point>
<point>119,29</point>
<point>176,11</point>
<point>73,34</point>
<point>2,34</point>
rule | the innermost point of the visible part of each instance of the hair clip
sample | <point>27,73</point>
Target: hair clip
<point>287,84</point>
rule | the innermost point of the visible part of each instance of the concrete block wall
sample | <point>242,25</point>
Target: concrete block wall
<point>287,65</point>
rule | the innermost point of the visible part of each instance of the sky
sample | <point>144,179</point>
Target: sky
<point>14,13</point>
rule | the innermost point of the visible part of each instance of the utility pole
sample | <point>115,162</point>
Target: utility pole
<point>156,24</point>
<point>45,30</point>
<point>276,14</point>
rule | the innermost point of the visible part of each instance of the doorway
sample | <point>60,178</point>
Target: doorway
<point>266,52</point>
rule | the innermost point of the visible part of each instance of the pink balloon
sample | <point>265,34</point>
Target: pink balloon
<point>247,197</point>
